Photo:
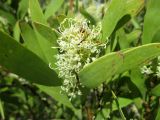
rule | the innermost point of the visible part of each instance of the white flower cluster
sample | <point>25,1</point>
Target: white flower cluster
<point>147,70</point>
<point>78,45</point>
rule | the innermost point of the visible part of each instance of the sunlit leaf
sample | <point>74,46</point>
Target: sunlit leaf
<point>117,62</point>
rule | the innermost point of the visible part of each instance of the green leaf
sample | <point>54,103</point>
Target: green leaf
<point>49,36</point>
<point>123,102</point>
<point>16,32</point>
<point>21,62</point>
<point>22,8</point>
<point>155,90</point>
<point>53,6</point>
<point>125,40</point>
<point>54,92</point>
<point>31,41</point>
<point>36,12</point>
<point>47,49</point>
<point>40,45</point>
<point>116,10</point>
<point>24,63</point>
<point>122,39</point>
<point>151,21</point>
<point>117,62</point>
<point>10,18</point>
<point>139,81</point>
<point>88,16</point>
<point>158,114</point>
<point>156,37</point>
<point>133,36</point>
<point>47,32</point>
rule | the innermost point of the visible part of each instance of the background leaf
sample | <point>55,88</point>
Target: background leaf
<point>155,90</point>
<point>52,7</point>
<point>47,32</point>
<point>123,102</point>
<point>151,21</point>
<point>158,114</point>
<point>138,79</point>
<point>88,16</point>
<point>22,9</point>
<point>116,10</point>
<point>36,12</point>
<point>10,18</point>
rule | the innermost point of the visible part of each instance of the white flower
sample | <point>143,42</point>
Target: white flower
<point>78,46</point>
<point>146,70</point>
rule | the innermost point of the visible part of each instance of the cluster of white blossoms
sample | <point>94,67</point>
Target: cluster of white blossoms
<point>78,46</point>
<point>147,69</point>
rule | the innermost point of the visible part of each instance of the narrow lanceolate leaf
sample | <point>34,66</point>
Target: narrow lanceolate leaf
<point>116,10</point>
<point>36,12</point>
<point>53,6</point>
<point>117,62</point>
<point>24,63</point>
<point>151,21</point>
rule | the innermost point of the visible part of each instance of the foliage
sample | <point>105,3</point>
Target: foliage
<point>107,72</point>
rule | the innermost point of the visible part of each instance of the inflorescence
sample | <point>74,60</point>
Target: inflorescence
<point>148,69</point>
<point>79,44</point>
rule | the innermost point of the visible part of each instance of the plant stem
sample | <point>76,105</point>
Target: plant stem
<point>117,103</point>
